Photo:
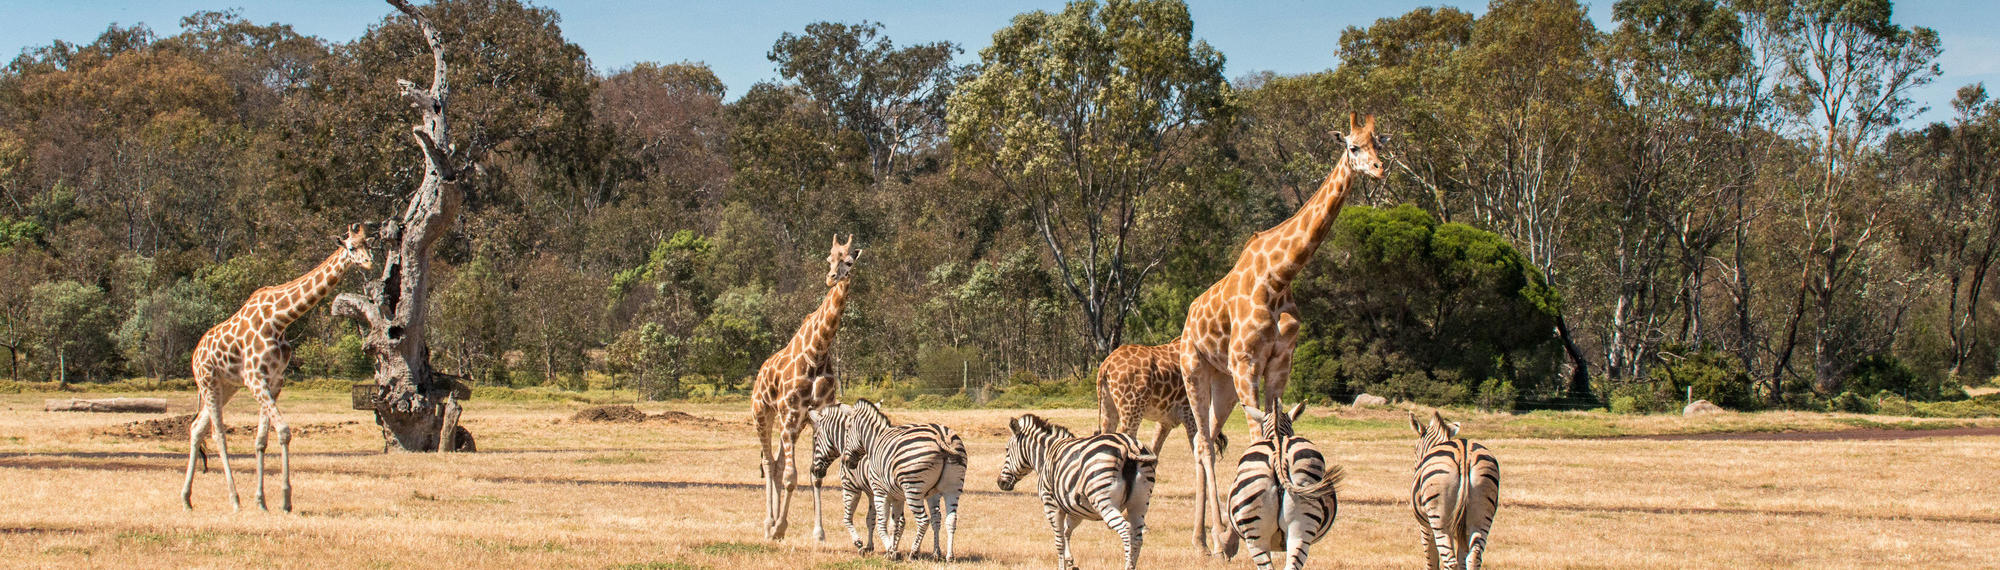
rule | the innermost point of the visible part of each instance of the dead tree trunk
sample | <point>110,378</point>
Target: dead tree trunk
<point>416,406</point>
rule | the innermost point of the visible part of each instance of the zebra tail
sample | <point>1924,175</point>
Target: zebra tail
<point>954,450</point>
<point>1326,485</point>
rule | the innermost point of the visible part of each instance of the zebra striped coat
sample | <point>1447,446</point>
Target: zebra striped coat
<point>1285,495</point>
<point>1456,493</point>
<point>921,466</point>
<point>1106,477</point>
<point>854,489</point>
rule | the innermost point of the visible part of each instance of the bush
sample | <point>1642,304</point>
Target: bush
<point>1712,375</point>
<point>1496,396</point>
<point>1852,403</point>
<point>1027,391</point>
<point>1885,373</point>
<point>1639,398</point>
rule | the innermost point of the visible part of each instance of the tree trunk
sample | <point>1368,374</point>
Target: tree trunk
<point>416,407</point>
<point>1579,375</point>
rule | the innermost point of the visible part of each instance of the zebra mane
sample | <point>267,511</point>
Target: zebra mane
<point>867,411</point>
<point>1030,424</point>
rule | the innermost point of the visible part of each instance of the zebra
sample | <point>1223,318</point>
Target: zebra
<point>1457,490</point>
<point>829,425</point>
<point>1285,495</point>
<point>921,466</point>
<point>1106,477</point>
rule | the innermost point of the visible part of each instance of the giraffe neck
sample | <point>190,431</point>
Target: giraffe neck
<point>291,301</point>
<point>1297,238</point>
<point>816,338</point>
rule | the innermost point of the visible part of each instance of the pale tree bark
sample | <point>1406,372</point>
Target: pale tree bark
<point>416,406</point>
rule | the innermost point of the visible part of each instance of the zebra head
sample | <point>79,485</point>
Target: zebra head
<point>864,421</point>
<point>829,436</point>
<point>1030,436</point>
<point>1437,432</point>
<point>1274,426</point>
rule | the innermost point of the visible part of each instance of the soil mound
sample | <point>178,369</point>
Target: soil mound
<point>623,414</point>
<point>609,414</point>
<point>175,428</point>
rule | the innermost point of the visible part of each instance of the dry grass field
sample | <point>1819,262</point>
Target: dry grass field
<point>548,492</point>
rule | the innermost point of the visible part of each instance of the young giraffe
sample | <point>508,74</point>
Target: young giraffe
<point>249,349</point>
<point>1138,382</point>
<point>793,382</point>
<point>1238,340</point>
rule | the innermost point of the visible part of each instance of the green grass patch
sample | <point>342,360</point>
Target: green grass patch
<point>733,548</point>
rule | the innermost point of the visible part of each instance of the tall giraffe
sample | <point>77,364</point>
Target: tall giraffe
<point>1238,340</point>
<point>795,381</point>
<point>249,350</point>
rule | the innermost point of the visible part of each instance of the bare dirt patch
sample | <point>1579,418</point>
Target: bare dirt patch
<point>176,428</point>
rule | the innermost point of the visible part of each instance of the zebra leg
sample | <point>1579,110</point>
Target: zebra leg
<point>883,524</point>
<point>1475,552</point>
<point>1115,518</point>
<point>1447,553</point>
<point>1295,548</point>
<point>920,510</point>
<point>937,521</point>
<point>950,525</point>
<point>1062,540</point>
<point>1430,547</point>
<point>1057,523</point>
<point>848,498</point>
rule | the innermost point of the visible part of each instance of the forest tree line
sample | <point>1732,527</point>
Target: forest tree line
<point>1724,195</point>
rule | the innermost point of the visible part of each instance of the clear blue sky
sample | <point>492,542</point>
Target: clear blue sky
<point>732,36</point>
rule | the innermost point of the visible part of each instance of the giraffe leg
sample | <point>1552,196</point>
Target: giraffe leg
<point>762,418</point>
<point>263,438</point>
<point>1195,379</point>
<point>196,429</point>
<point>786,468</point>
<point>222,453</point>
<point>1278,372</point>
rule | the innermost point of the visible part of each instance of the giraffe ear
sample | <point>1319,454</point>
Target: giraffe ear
<point>1338,139</point>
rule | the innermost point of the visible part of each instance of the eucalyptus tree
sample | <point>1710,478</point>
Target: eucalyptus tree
<point>1104,122</point>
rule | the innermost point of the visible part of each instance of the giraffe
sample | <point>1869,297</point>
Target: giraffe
<point>1138,382</point>
<point>792,383</point>
<point>1238,340</point>
<point>249,350</point>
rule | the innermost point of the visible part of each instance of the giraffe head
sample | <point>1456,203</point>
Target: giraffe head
<point>354,250</point>
<point>1360,140</point>
<point>840,259</point>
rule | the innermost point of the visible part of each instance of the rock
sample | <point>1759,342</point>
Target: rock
<point>1701,408</point>
<point>1370,400</point>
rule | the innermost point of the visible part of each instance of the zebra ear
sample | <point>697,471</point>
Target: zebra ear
<point>1452,429</point>
<point>1298,409</point>
<point>1437,420</point>
<point>1252,413</point>
<point>1416,424</point>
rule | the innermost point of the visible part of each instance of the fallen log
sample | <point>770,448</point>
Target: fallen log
<point>115,405</point>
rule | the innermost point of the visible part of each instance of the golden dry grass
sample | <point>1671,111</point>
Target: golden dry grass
<point>548,492</point>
